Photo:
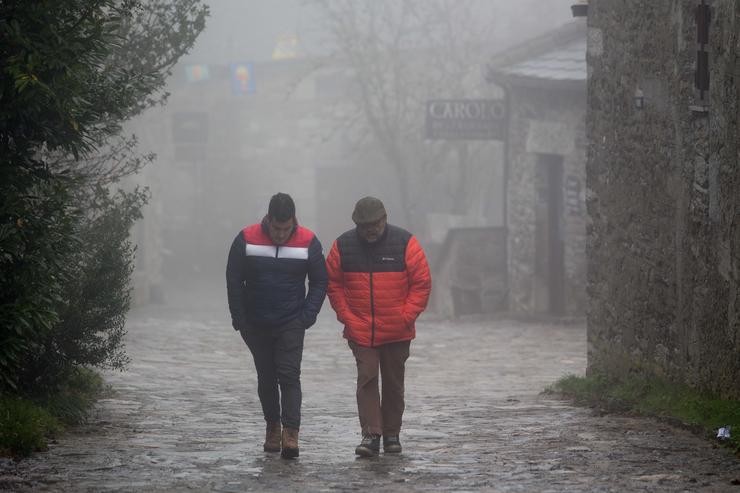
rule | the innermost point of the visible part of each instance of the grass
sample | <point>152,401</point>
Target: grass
<point>655,397</point>
<point>24,427</point>
<point>27,423</point>
<point>72,402</point>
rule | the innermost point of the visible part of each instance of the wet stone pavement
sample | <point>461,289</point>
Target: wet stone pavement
<point>185,417</point>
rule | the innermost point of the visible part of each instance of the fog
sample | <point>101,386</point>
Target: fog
<point>276,97</point>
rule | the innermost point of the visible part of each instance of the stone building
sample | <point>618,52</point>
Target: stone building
<point>545,83</point>
<point>664,190</point>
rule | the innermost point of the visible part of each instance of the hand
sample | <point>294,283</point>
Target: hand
<point>295,324</point>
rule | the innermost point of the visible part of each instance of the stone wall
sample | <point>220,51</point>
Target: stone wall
<point>663,193</point>
<point>546,120</point>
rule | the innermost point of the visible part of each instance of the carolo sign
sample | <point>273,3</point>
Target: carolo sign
<point>474,119</point>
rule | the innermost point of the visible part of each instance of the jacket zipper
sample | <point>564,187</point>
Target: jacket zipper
<point>372,305</point>
<point>372,312</point>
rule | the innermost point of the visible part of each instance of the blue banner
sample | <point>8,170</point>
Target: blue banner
<point>242,79</point>
<point>197,73</point>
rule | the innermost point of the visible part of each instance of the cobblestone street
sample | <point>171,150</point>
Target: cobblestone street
<point>185,416</point>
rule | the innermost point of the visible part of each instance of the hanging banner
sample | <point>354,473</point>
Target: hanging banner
<point>242,79</point>
<point>197,73</point>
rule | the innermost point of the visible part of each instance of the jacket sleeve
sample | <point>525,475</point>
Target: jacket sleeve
<point>235,276</point>
<point>317,283</point>
<point>336,285</point>
<point>420,281</point>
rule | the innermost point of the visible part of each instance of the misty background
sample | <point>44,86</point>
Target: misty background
<point>271,99</point>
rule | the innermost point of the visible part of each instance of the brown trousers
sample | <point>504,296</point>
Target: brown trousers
<point>380,417</point>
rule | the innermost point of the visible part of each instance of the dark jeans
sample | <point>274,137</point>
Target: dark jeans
<point>277,358</point>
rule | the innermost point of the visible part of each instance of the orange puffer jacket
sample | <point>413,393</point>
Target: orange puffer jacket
<point>378,289</point>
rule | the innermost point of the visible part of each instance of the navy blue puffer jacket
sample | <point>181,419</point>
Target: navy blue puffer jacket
<point>266,283</point>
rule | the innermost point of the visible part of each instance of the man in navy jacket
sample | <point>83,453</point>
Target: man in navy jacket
<point>266,287</point>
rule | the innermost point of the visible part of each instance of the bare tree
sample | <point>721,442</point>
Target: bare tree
<point>403,53</point>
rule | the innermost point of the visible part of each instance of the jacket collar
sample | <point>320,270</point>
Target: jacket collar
<point>266,228</point>
<point>381,239</point>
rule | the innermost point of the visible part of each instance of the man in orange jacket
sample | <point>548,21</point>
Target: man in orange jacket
<point>379,283</point>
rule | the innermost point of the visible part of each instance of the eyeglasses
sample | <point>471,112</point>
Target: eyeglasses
<point>372,226</point>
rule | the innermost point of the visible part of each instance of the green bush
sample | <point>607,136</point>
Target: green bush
<point>24,427</point>
<point>27,423</point>
<point>74,397</point>
<point>36,236</point>
<point>73,71</point>
<point>94,297</point>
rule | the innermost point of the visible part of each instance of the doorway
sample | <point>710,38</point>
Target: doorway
<point>549,235</point>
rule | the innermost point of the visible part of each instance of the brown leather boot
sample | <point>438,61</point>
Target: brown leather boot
<point>272,437</point>
<point>290,443</point>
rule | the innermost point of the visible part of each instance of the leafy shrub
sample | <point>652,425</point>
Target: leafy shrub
<point>24,427</point>
<point>73,399</point>
<point>73,71</point>
<point>36,236</point>
<point>26,424</point>
<point>94,298</point>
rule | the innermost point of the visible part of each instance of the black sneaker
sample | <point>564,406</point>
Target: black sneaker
<point>369,447</point>
<point>391,444</point>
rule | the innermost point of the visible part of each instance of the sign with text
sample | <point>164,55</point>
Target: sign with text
<point>466,119</point>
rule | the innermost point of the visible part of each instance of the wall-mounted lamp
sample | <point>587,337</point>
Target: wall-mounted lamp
<point>580,9</point>
<point>639,99</point>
